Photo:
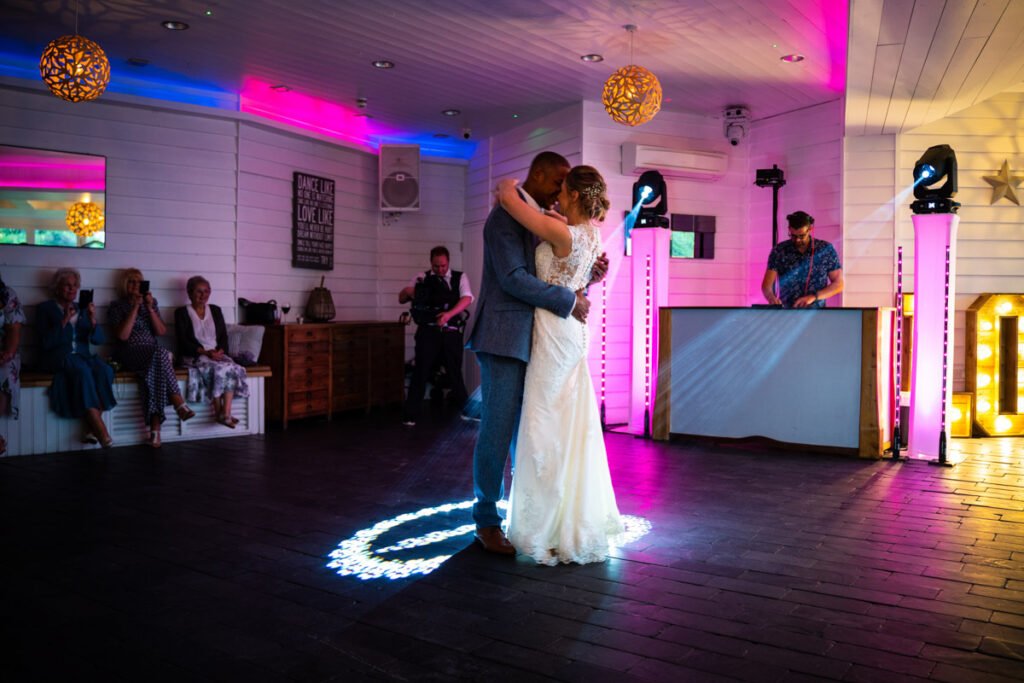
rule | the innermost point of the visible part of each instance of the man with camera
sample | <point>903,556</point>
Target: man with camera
<point>439,299</point>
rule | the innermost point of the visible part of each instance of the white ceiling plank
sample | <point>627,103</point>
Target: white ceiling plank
<point>865,26</point>
<point>945,39</point>
<point>887,61</point>
<point>923,25</point>
<point>522,56</point>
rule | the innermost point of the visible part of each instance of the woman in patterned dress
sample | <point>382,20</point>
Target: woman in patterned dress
<point>83,383</point>
<point>11,320</point>
<point>135,319</point>
<point>202,344</point>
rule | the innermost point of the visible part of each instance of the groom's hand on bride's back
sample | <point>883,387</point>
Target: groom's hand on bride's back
<point>582,307</point>
<point>600,268</point>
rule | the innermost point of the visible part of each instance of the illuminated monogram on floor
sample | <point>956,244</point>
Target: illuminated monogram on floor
<point>358,557</point>
<point>995,364</point>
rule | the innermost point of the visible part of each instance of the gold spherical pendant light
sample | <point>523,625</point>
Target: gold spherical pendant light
<point>85,218</point>
<point>632,95</point>
<point>75,68</point>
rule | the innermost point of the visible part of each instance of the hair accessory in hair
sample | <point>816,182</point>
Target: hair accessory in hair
<point>593,191</point>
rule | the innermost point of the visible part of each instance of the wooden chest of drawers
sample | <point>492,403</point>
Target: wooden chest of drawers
<point>319,369</point>
<point>300,358</point>
<point>369,364</point>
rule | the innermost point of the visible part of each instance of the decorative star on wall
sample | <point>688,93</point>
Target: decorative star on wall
<point>1004,184</point>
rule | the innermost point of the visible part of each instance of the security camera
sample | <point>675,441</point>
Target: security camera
<point>466,133</point>
<point>734,132</point>
<point>735,123</point>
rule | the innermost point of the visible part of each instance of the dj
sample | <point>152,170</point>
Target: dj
<point>807,269</point>
<point>439,299</point>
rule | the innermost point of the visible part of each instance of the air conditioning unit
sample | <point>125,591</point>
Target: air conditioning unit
<point>673,162</point>
<point>399,177</point>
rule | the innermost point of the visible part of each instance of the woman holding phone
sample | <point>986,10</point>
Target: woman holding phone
<point>83,384</point>
<point>136,322</point>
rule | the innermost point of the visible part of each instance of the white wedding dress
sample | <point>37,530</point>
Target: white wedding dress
<point>562,504</point>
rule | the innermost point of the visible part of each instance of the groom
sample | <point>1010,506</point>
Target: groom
<point>502,335</point>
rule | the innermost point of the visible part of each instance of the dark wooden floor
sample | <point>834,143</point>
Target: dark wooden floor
<point>208,561</point>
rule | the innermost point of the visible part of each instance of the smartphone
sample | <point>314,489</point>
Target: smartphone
<point>144,287</point>
<point>84,298</point>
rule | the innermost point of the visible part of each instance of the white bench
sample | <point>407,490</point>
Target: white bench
<point>40,430</point>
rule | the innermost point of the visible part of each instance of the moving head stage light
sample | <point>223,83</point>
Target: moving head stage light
<point>649,194</point>
<point>936,163</point>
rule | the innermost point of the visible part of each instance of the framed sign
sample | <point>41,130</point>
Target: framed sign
<point>312,222</point>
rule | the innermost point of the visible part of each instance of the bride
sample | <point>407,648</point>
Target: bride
<point>562,506</point>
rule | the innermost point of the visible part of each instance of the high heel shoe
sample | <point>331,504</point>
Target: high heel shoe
<point>184,412</point>
<point>154,439</point>
<point>107,443</point>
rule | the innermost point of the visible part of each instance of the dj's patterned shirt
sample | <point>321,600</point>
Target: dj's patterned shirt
<point>792,268</point>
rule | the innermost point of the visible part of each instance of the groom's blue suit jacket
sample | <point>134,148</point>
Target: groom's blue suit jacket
<point>510,290</point>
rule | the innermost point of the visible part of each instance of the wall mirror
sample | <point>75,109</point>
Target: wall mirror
<point>52,199</point>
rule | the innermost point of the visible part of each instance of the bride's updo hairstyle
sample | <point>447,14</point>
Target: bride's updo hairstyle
<point>593,191</point>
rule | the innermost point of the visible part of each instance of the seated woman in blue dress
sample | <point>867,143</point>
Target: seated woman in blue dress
<point>83,384</point>
<point>136,323</point>
<point>11,320</point>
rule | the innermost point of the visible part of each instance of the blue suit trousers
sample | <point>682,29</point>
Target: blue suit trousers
<point>501,389</point>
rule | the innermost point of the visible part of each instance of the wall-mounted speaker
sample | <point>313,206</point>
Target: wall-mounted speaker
<point>399,177</point>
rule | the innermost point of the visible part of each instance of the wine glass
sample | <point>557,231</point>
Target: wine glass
<point>284,310</point>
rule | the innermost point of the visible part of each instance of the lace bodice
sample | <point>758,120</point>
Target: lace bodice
<point>573,271</point>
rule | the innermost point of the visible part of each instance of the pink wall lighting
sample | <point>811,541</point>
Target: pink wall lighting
<point>930,390</point>
<point>303,111</point>
<point>649,286</point>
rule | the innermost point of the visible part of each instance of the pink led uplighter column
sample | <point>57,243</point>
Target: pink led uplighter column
<point>930,390</point>
<point>649,287</point>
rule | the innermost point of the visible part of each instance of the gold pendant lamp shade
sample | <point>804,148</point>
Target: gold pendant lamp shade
<point>85,218</point>
<point>632,95</point>
<point>75,68</point>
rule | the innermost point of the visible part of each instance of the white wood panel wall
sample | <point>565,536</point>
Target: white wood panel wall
<point>869,219</point>
<point>807,146</point>
<point>190,191</point>
<point>375,254</point>
<point>508,155</point>
<point>991,238</point>
<point>878,217</point>
<point>171,182</point>
<point>717,282</point>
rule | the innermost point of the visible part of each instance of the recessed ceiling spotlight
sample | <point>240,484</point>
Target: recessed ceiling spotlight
<point>592,58</point>
<point>138,61</point>
<point>384,64</point>
<point>208,12</point>
<point>171,25</point>
<point>452,112</point>
<point>515,116</point>
<point>792,58</point>
<point>280,87</point>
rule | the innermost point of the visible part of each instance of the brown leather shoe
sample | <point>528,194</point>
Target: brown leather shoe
<point>493,539</point>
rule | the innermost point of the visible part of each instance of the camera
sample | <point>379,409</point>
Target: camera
<point>466,133</point>
<point>144,287</point>
<point>735,123</point>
